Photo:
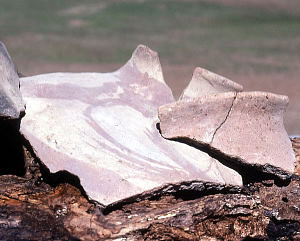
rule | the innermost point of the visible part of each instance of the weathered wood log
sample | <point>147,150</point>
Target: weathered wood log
<point>32,207</point>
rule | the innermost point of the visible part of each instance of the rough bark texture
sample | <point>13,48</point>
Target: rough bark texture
<point>40,206</point>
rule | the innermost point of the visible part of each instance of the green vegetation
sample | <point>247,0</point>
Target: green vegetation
<point>202,33</point>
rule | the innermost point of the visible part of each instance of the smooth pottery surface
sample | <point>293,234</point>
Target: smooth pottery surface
<point>102,128</point>
<point>11,102</point>
<point>247,125</point>
<point>205,82</point>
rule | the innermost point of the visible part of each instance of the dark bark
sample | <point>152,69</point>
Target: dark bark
<point>34,207</point>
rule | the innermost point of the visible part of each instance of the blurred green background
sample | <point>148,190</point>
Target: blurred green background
<point>255,43</point>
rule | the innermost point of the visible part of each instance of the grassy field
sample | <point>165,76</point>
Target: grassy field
<point>256,43</point>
